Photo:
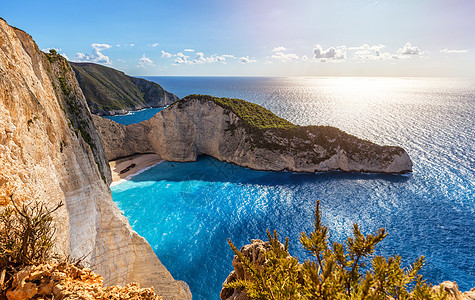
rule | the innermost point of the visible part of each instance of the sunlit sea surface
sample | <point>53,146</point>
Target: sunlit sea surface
<point>187,210</point>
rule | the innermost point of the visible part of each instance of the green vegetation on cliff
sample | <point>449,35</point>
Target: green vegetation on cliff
<point>252,114</point>
<point>337,271</point>
<point>108,90</point>
<point>70,100</point>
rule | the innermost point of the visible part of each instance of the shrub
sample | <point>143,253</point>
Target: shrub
<point>26,236</point>
<point>335,272</point>
<point>64,86</point>
<point>52,56</point>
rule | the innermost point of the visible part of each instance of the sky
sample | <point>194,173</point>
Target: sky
<point>257,37</point>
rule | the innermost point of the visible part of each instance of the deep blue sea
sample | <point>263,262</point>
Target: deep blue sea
<point>186,211</point>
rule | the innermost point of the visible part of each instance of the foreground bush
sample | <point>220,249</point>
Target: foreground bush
<point>335,272</point>
<point>26,237</point>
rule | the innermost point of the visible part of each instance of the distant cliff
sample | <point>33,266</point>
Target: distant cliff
<point>111,92</point>
<point>50,152</point>
<point>248,135</point>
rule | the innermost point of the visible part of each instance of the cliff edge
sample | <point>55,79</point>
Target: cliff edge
<point>50,151</point>
<point>248,135</point>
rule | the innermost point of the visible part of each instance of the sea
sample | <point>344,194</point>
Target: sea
<point>187,211</point>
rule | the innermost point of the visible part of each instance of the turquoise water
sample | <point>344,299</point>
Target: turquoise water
<point>135,117</point>
<point>187,210</point>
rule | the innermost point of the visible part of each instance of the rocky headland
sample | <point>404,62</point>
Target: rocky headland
<point>111,92</point>
<point>248,135</point>
<point>50,152</point>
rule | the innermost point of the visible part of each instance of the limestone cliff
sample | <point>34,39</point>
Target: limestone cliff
<point>50,151</point>
<point>248,135</point>
<point>111,92</point>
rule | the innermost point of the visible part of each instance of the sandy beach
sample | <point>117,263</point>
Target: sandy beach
<point>127,167</point>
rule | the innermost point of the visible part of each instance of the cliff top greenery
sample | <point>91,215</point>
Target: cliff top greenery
<point>253,114</point>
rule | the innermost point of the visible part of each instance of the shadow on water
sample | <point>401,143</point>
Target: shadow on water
<point>209,169</point>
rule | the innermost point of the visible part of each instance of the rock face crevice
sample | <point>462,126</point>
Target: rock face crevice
<point>200,125</point>
<point>50,151</point>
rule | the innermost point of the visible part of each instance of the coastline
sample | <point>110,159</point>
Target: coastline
<point>140,163</point>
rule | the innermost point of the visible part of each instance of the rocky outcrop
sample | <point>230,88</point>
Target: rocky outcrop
<point>255,252</point>
<point>453,292</point>
<point>67,281</point>
<point>239,132</point>
<point>50,151</point>
<point>111,92</point>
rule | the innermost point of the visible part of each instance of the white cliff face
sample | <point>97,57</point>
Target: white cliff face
<point>194,127</point>
<point>50,152</point>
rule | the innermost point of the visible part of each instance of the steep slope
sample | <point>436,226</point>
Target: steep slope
<point>248,135</point>
<point>110,92</point>
<point>50,152</point>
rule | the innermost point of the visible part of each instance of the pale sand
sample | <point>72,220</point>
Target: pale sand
<point>142,162</point>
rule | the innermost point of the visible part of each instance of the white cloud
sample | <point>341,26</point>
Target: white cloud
<point>166,54</point>
<point>145,62</point>
<point>132,45</point>
<point>409,49</point>
<point>285,57</point>
<point>368,47</point>
<point>279,49</point>
<point>246,60</point>
<point>332,53</point>
<point>281,54</point>
<point>447,51</point>
<point>200,58</point>
<point>96,55</point>
<point>181,58</point>
<point>154,45</point>
<point>367,52</point>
